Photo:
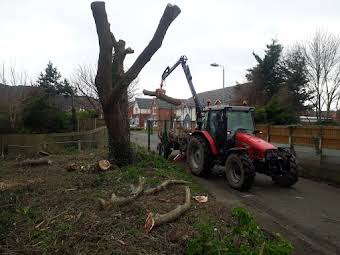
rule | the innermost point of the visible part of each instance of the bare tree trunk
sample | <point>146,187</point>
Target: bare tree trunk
<point>116,119</point>
<point>112,81</point>
<point>319,109</point>
<point>322,55</point>
<point>73,117</point>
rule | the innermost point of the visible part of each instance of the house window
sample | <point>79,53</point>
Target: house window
<point>135,110</point>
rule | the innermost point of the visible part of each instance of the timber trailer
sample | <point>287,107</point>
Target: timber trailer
<point>225,135</point>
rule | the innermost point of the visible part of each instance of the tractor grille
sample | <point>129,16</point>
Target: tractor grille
<point>271,154</point>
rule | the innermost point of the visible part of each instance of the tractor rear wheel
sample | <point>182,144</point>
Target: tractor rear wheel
<point>240,171</point>
<point>289,169</point>
<point>199,156</point>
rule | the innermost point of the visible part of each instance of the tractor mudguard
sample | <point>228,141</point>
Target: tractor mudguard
<point>209,139</point>
<point>235,149</point>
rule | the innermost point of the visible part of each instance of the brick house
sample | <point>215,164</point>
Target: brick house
<point>144,109</point>
<point>140,111</point>
<point>162,110</point>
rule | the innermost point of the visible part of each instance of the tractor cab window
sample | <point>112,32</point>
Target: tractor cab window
<point>204,121</point>
<point>215,123</point>
<point>240,120</point>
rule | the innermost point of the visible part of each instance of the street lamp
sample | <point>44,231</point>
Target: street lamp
<point>218,65</point>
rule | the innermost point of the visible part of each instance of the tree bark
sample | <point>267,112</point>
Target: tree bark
<point>112,82</point>
<point>116,119</point>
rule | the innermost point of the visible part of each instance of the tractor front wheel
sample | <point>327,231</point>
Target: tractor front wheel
<point>289,169</point>
<point>240,171</point>
<point>199,156</point>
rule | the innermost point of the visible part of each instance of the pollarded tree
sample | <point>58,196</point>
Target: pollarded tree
<point>112,81</point>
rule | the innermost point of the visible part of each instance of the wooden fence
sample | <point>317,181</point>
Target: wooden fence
<point>90,124</point>
<point>319,137</point>
<point>57,142</point>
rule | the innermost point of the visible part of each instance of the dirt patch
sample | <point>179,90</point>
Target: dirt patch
<point>47,210</point>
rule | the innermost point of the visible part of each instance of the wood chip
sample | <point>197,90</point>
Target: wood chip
<point>201,199</point>
<point>121,242</point>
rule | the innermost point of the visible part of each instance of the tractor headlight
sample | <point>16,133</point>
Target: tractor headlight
<point>271,154</point>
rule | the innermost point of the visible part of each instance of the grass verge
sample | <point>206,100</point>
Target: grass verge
<point>47,210</point>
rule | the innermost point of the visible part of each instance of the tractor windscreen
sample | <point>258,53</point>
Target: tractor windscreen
<point>240,120</point>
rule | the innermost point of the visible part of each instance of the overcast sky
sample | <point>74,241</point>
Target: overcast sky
<point>227,32</point>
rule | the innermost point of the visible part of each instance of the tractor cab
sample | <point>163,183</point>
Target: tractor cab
<point>223,122</point>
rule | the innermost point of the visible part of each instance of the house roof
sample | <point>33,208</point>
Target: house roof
<point>164,105</point>
<point>12,94</point>
<point>227,95</point>
<point>64,103</point>
<point>144,103</point>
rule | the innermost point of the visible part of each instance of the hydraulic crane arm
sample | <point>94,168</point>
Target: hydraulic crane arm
<point>183,61</point>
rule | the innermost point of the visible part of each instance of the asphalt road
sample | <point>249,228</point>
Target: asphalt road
<point>309,210</point>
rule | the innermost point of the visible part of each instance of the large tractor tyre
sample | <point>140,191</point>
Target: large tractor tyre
<point>163,150</point>
<point>199,156</point>
<point>289,169</point>
<point>240,171</point>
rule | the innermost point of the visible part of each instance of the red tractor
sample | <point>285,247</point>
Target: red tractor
<point>225,135</point>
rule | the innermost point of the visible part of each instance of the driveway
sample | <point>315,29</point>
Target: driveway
<point>141,138</point>
<point>309,211</point>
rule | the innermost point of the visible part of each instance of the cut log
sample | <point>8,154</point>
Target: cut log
<point>104,164</point>
<point>72,167</point>
<point>35,162</point>
<point>159,219</point>
<point>118,201</point>
<point>201,199</point>
<point>43,153</point>
<point>163,186</point>
<point>159,94</point>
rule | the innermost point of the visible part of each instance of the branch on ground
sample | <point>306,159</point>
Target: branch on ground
<point>159,219</point>
<point>163,186</point>
<point>118,201</point>
<point>35,162</point>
